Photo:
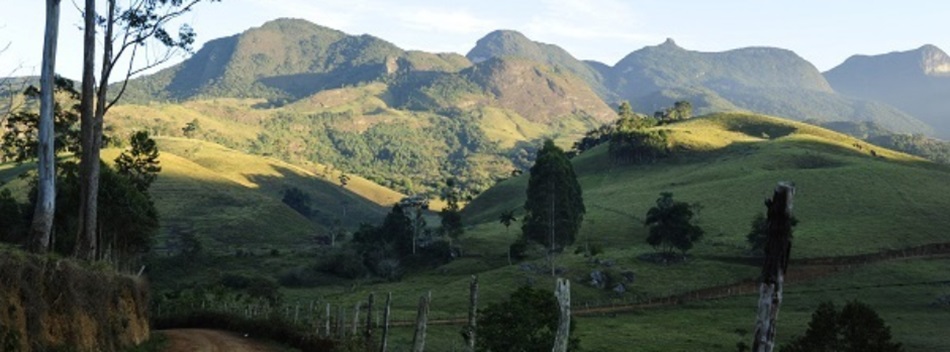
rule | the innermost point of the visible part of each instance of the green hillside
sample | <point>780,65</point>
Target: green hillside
<point>409,133</point>
<point>232,200</point>
<point>729,162</point>
<point>848,202</point>
<point>283,59</point>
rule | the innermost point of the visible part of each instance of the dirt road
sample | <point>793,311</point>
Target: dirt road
<point>200,340</point>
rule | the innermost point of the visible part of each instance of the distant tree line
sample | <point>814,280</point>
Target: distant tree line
<point>631,137</point>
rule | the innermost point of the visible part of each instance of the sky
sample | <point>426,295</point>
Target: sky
<point>824,32</point>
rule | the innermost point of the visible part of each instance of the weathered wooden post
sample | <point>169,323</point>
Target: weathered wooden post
<point>469,331</point>
<point>368,333</point>
<point>562,291</point>
<point>296,313</point>
<point>341,322</point>
<point>422,319</point>
<point>326,323</point>
<point>356,320</point>
<point>389,299</point>
<point>778,246</point>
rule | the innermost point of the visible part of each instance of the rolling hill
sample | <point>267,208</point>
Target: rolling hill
<point>916,81</point>
<point>232,200</point>
<point>849,202</point>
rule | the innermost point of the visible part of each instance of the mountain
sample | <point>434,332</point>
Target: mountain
<point>407,120</point>
<point>508,43</point>
<point>761,79</point>
<point>284,58</point>
<point>916,81</point>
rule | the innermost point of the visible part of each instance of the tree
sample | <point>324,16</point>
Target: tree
<point>554,208</point>
<point>639,146</point>
<point>625,110</point>
<point>298,201</point>
<point>759,232</point>
<point>43,214</point>
<point>12,221</point>
<point>857,327</point>
<point>671,224</point>
<point>450,215</point>
<point>344,179</point>
<point>140,163</point>
<point>506,218</point>
<point>526,322</point>
<point>126,30</point>
<point>681,110</point>
<point>20,133</point>
<point>191,128</point>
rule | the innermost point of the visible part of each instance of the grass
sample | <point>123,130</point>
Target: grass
<point>842,191</point>
<point>222,195</point>
<point>901,292</point>
<point>848,202</point>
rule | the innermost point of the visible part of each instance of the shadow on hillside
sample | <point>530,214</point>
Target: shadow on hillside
<point>329,200</point>
<point>302,85</point>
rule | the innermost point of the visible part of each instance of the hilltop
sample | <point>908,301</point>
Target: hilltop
<point>916,81</point>
<point>508,43</point>
<point>759,79</point>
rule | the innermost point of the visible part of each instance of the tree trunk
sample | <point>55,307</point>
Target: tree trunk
<point>383,345</point>
<point>563,292</point>
<point>778,247</point>
<point>42,227</point>
<point>551,227</point>
<point>89,164</point>
<point>422,319</point>
<point>469,332</point>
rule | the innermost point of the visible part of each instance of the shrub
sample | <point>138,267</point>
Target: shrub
<point>527,321</point>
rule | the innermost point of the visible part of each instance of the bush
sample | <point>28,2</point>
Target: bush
<point>344,263</point>
<point>855,328</point>
<point>519,249</point>
<point>526,322</point>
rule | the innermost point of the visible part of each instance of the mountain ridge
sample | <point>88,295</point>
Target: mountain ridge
<point>916,81</point>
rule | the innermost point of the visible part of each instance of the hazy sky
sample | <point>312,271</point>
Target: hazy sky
<point>824,32</point>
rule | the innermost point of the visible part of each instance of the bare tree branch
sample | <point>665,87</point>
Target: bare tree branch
<point>135,38</point>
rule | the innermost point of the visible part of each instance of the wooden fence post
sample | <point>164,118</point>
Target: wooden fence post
<point>356,319</point>
<point>326,323</point>
<point>422,319</point>
<point>778,246</point>
<point>563,292</point>
<point>341,322</point>
<point>469,333</point>
<point>368,333</point>
<point>389,299</point>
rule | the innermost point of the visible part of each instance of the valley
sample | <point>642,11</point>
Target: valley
<point>293,157</point>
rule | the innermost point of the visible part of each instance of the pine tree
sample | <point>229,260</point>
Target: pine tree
<point>554,208</point>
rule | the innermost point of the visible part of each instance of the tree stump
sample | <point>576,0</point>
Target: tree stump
<point>422,319</point>
<point>562,291</point>
<point>778,248</point>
